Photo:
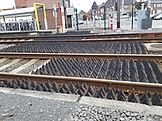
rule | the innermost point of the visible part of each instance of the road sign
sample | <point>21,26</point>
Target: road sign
<point>94,6</point>
<point>75,9</point>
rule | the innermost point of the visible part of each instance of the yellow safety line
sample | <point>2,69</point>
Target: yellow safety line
<point>36,16</point>
<point>36,13</point>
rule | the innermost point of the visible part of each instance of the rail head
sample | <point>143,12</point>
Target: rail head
<point>42,35</point>
<point>125,85</point>
<point>157,58</point>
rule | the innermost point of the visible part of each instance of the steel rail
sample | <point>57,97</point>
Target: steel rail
<point>72,36</point>
<point>82,55</point>
<point>124,85</point>
<point>85,36</point>
<point>144,40</point>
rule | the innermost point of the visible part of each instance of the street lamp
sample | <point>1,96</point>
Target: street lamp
<point>118,14</point>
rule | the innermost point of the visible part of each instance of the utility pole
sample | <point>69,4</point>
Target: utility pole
<point>63,15</point>
<point>132,13</point>
<point>149,7</point>
<point>55,15</point>
<point>118,14</point>
<point>104,17</point>
<point>94,20</point>
<point>122,9</point>
<point>149,4</point>
<point>76,13</point>
<point>60,14</point>
<point>77,20</point>
<point>94,8</point>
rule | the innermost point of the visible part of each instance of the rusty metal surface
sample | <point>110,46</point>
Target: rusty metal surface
<point>144,40</point>
<point>85,36</point>
<point>131,86</point>
<point>82,55</point>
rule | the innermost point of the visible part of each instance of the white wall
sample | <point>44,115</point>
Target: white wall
<point>5,4</point>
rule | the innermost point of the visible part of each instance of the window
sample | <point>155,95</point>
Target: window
<point>158,11</point>
<point>102,10</point>
<point>154,5</point>
<point>154,12</point>
<point>67,4</point>
<point>158,5</point>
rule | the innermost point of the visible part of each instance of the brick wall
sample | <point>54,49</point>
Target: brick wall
<point>49,9</point>
<point>20,3</point>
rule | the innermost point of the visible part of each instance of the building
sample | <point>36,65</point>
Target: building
<point>99,12</point>
<point>54,21</point>
<point>49,10</point>
<point>126,6</point>
<point>156,6</point>
<point>81,14</point>
<point>89,15</point>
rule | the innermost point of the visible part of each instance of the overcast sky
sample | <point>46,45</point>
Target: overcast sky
<point>85,4</point>
<point>4,4</point>
<point>80,4</point>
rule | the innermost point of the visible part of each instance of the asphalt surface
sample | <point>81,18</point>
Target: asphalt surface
<point>21,107</point>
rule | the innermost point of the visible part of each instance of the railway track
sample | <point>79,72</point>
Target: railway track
<point>102,66</point>
<point>140,37</point>
<point>157,58</point>
<point>85,36</point>
<point>137,87</point>
<point>145,93</point>
<point>123,81</point>
<point>143,40</point>
<point>20,65</point>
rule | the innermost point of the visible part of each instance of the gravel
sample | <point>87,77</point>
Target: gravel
<point>16,65</point>
<point>3,46</point>
<point>24,108</point>
<point>91,113</point>
<point>6,62</point>
<point>19,64</point>
<point>32,67</point>
<point>21,108</point>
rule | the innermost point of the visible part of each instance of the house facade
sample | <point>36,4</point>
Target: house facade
<point>81,14</point>
<point>156,6</point>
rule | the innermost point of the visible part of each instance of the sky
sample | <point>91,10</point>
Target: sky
<point>4,4</point>
<point>85,4</point>
<point>80,4</point>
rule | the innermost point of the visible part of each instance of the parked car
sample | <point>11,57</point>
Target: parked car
<point>157,16</point>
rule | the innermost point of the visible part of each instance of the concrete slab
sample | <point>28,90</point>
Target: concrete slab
<point>31,93</point>
<point>45,95</point>
<point>10,64</point>
<point>6,90</point>
<point>152,46</point>
<point>144,109</point>
<point>65,97</point>
<point>31,62</point>
<point>89,101</point>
